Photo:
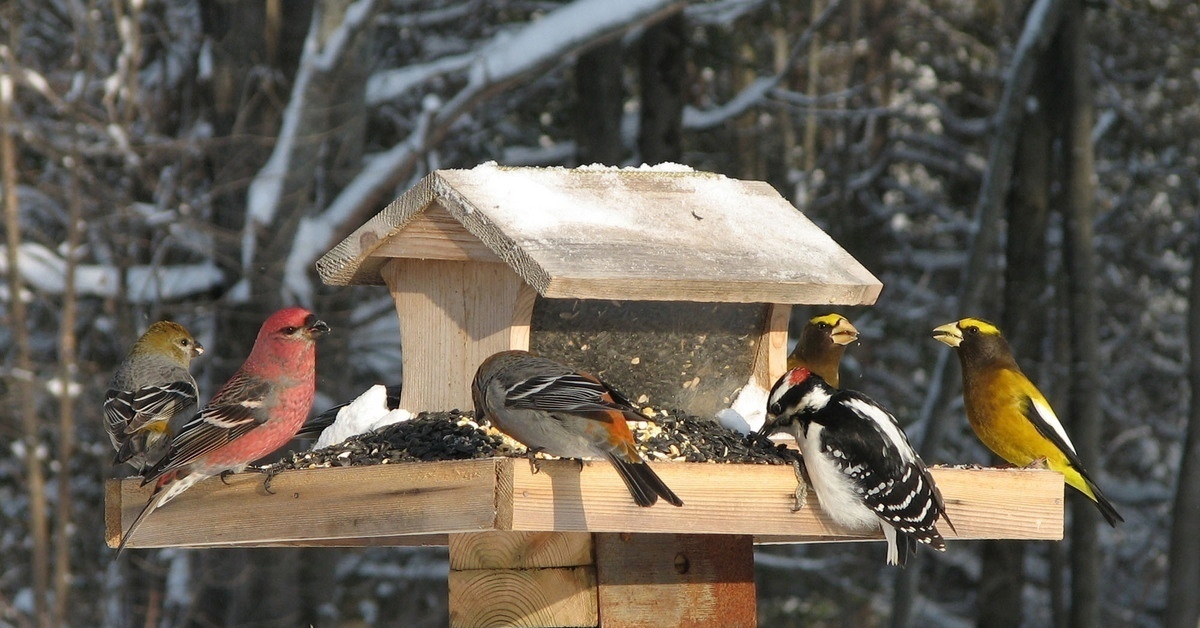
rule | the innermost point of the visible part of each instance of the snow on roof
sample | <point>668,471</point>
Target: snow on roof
<point>663,232</point>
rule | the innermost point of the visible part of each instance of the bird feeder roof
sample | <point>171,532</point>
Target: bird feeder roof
<point>661,233</point>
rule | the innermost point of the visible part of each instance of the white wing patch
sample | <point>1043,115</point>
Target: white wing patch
<point>886,424</point>
<point>1047,415</point>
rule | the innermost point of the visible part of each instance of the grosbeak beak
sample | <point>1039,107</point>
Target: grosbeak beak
<point>151,394</point>
<point>821,345</point>
<point>552,408</point>
<point>1009,414</point>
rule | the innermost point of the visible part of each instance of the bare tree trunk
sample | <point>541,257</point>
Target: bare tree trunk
<point>67,375</point>
<point>1002,576</point>
<point>663,70</point>
<point>599,105</point>
<point>1183,580</point>
<point>1084,415</point>
<point>22,374</point>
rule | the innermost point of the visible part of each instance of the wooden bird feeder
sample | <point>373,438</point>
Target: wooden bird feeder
<point>673,285</point>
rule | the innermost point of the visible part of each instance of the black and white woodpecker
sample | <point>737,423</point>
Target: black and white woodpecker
<point>861,465</point>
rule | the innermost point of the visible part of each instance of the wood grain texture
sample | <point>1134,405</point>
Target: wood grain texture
<point>618,234</point>
<point>323,505</point>
<point>718,499</point>
<point>520,550</point>
<point>558,596</point>
<point>770,361</point>
<point>453,315</point>
<point>684,580</point>
<point>361,505</point>
<point>433,234</point>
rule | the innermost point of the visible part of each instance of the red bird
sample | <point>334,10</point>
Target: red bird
<point>550,407</point>
<point>256,412</point>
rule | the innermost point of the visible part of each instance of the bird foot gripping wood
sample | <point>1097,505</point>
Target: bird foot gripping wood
<point>535,466</point>
<point>1038,463</point>
<point>801,494</point>
<point>271,470</point>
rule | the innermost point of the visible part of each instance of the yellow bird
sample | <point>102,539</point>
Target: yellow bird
<point>822,343</point>
<point>1009,414</point>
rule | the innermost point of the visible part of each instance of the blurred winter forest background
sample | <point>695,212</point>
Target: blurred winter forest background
<point>1034,163</point>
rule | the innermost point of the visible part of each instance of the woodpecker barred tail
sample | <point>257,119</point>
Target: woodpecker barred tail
<point>862,467</point>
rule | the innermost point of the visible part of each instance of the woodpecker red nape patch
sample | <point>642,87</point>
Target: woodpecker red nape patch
<point>797,375</point>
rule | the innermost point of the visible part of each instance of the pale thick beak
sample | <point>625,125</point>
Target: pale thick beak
<point>949,334</point>
<point>197,349</point>
<point>316,326</point>
<point>843,332</point>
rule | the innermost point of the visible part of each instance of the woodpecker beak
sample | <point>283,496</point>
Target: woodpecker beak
<point>767,428</point>
<point>949,334</point>
<point>315,326</point>
<point>843,333</point>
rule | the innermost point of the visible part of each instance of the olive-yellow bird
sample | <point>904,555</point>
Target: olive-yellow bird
<point>821,345</point>
<point>1009,414</point>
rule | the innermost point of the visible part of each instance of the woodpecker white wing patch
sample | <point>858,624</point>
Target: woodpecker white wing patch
<point>886,423</point>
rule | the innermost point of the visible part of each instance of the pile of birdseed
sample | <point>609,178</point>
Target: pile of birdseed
<point>456,435</point>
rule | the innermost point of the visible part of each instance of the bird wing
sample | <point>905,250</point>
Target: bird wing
<point>1038,412</point>
<point>239,407</point>
<point>573,393</point>
<point>878,455</point>
<point>159,403</point>
<point>886,470</point>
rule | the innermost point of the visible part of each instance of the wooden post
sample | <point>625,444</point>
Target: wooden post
<point>526,579</point>
<point>453,315</point>
<point>650,580</point>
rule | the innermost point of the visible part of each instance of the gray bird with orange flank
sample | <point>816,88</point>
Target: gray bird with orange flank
<point>552,408</point>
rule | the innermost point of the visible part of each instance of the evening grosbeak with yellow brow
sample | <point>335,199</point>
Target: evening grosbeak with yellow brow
<point>552,408</point>
<point>256,412</point>
<point>151,394</point>
<point>865,472</point>
<point>821,345</point>
<point>1009,414</point>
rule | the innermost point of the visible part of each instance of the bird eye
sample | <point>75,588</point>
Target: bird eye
<point>289,330</point>
<point>775,409</point>
<point>972,330</point>
<point>184,342</point>
<point>822,325</point>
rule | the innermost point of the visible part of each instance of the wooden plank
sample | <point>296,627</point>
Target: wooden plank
<point>374,505</point>
<point>313,505</point>
<point>685,580</point>
<point>520,550</point>
<point>983,503</point>
<point>453,315</point>
<point>557,596</point>
<point>770,361</point>
<point>619,234</point>
<point>433,234</point>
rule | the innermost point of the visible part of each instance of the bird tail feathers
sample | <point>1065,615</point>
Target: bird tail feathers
<point>643,483</point>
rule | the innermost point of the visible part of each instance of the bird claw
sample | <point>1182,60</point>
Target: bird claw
<point>801,494</point>
<point>1038,463</point>
<point>271,473</point>
<point>224,476</point>
<point>535,465</point>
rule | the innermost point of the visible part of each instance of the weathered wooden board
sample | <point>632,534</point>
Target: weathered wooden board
<point>685,580</point>
<point>375,505</point>
<point>453,315</point>
<point>630,234</point>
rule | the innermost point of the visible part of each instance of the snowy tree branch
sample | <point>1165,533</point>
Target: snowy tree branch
<point>505,60</point>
